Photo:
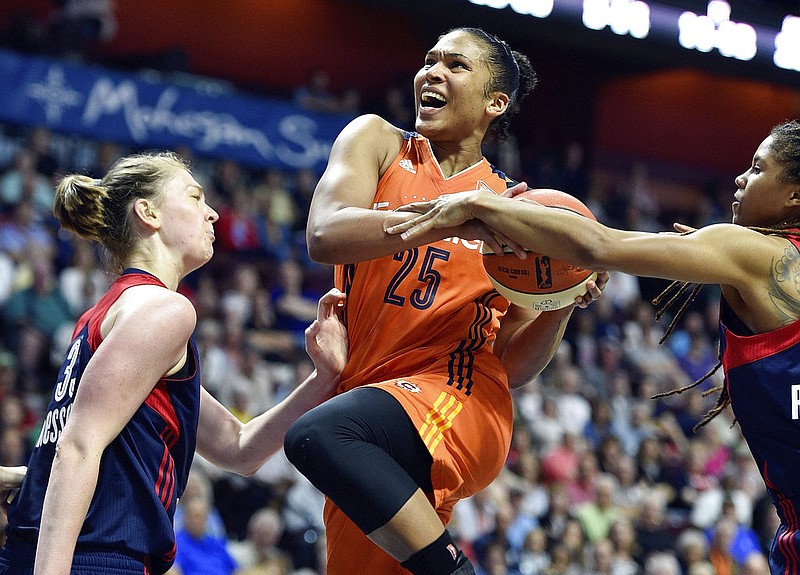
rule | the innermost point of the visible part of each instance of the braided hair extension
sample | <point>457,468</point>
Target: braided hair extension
<point>680,290</point>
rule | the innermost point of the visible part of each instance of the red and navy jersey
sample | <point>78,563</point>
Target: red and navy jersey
<point>762,374</point>
<point>144,469</point>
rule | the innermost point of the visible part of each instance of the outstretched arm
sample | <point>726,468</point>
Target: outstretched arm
<point>243,448</point>
<point>713,254</point>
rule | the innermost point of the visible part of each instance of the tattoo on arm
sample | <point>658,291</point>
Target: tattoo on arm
<point>784,284</point>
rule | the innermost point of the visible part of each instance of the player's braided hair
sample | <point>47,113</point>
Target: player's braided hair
<point>675,291</point>
<point>786,147</point>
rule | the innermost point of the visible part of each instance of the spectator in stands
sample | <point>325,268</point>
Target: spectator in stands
<point>558,514</point>
<point>14,449</point>
<point>497,539</point>
<point>22,182</point>
<point>24,236</point>
<point>721,543</point>
<point>560,465</point>
<point>302,516</point>
<point>691,547</point>
<point>396,108</point>
<point>198,552</point>
<point>596,517</point>
<point>292,299</point>
<point>260,554</point>
<point>315,94</point>
<point>708,506</point>
<point>237,230</point>
<point>16,414</point>
<point>623,537</point>
<point>583,487</point>
<point>39,142</point>
<point>574,410</point>
<point>663,563</point>
<point>601,558</point>
<point>610,453</point>
<point>198,486</point>
<point>217,363</point>
<point>630,490</point>
<point>652,531</point>
<point>83,282</point>
<point>106,153</point>
<point>245,304</point>
<point>228,177</point>
<point>690,478</point>
<point>534,558</point>
<point>32,317</point>
<point>744,540</point>
<point>574,174</point>
<point>350,102</point>
<point>528,476</point>
<point>755,564</point>
<point>547,431</point>
<point>693,348</point>
<point>276,214</point>
<point>641,438</point>
<point>600,424</point>
<point>250,377</point>
<point>561,562</point>
<point>575,540</point>
<point>475,515</point>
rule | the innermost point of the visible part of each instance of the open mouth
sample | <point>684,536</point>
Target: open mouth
<point>431,100</point>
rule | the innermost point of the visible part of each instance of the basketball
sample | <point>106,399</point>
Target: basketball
<point>539,282</point>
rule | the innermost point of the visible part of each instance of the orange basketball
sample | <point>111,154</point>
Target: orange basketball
<point>539,282</point>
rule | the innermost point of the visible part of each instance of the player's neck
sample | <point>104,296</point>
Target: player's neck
<point>455,158</point>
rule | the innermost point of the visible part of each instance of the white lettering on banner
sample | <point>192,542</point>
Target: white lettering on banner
<point>213,129</point>
<point>54,94</point>
<point>300,130</point>
<point>795,401</point>
<point>207,129</point>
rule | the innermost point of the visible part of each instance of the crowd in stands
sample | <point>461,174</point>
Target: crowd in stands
<point>601,479</point>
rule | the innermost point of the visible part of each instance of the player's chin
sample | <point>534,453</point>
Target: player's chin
<point>426,123</point>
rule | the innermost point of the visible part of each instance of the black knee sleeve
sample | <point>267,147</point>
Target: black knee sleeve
<point>362,451</point>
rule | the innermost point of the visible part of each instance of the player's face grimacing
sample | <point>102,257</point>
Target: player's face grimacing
<point>450,88</point>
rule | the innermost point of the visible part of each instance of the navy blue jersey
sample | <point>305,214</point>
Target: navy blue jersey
<point>762,373</point>
<point>142,471</point>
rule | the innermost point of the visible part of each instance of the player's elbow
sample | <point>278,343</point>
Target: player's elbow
<point>320,247</point>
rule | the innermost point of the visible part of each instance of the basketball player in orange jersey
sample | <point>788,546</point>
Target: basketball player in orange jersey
<point>755,260</point>
<point>424,413</point>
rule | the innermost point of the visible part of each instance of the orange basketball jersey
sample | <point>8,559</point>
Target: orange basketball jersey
<point>421,324</point>
<point>427,302</point>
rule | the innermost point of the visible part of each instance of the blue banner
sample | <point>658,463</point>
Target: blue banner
<point>107,105</point>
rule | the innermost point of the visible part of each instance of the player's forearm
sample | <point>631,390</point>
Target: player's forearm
<point>262,436</point>
<point>532,346</point>
<point>356,234</point>
<point>73,480</point>
<point>555,232</point>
